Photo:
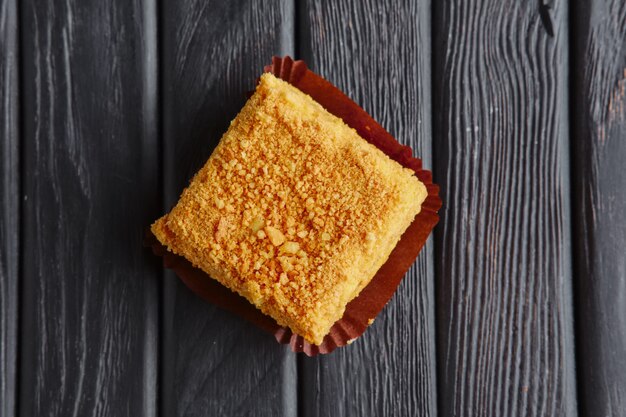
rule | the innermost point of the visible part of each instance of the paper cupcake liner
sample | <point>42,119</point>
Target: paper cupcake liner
<point>362,310</point>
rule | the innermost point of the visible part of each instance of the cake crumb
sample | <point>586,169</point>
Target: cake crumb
<point>290,247</point>
<point>275,235</point>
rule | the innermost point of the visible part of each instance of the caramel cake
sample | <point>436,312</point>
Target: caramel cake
<point>293,210</point>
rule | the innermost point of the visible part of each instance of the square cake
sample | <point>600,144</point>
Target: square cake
<point>293,210</point>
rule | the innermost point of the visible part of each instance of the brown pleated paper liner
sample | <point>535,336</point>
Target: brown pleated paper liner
<point>361,311</point>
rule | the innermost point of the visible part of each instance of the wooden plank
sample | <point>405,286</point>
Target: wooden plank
<point>90,290</point>
<point>378,52</point>
<point>503,264</point>
<point>9,201</point>
<point>213,52</point>
<point>598,132</point>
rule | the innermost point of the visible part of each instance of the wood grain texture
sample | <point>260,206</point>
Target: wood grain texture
<point>90,290</point>
<point>213,52</point>
<point>378,53</point>
<point>599,174</point>
<point>503,264</point>
<point>9,201</point>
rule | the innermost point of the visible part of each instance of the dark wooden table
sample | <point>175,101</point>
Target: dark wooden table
<point>517,306</point>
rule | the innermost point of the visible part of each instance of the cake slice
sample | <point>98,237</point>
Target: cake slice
<point>293,210</point>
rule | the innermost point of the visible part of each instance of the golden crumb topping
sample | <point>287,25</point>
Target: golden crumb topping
<point>293,210</point>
